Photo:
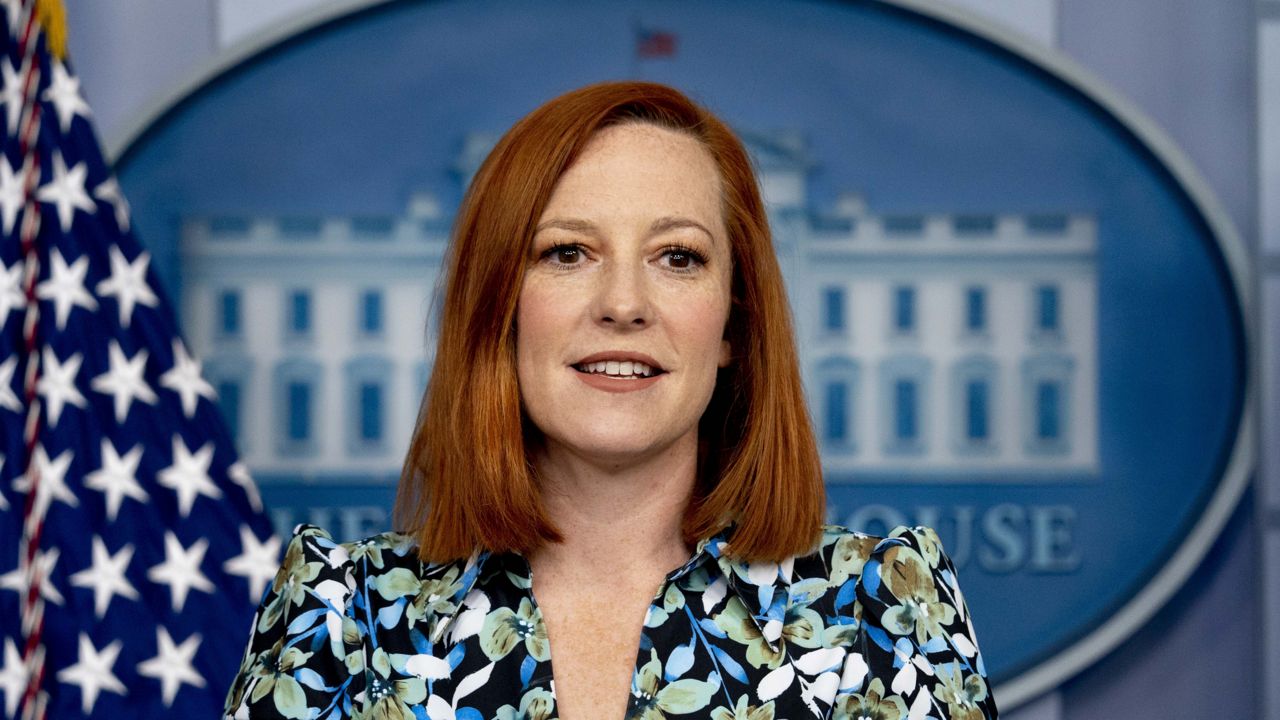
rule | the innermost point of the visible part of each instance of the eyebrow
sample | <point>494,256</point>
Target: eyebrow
<point>586,227</point>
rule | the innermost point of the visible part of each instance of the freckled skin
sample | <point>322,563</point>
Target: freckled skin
<point>623,291</point>
<point>594,644</point>
<point>615,284</point>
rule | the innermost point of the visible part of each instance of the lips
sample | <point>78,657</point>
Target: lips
<point>619,364</point>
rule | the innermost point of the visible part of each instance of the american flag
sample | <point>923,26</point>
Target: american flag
<point>133,548</point>
<point>652,43</point>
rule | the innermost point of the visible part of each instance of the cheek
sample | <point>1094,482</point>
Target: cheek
<point>535,320</point>
<point>531,340</point>
<point>530,328</point>
<point>703,324</point>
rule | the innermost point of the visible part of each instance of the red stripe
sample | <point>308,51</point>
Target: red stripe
<point>28,28</point>
<point>32,703</point>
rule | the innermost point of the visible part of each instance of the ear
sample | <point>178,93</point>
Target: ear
<point>726,354</point>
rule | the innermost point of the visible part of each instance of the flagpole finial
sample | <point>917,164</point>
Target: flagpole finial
<point>52,16</point>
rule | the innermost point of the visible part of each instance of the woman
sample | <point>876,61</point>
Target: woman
<point>615,410</point>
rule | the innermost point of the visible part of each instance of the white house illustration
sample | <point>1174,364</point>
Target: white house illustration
<point>315,334</point>
<point>935,347</point>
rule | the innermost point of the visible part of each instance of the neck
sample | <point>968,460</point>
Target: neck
<point>620,516</point>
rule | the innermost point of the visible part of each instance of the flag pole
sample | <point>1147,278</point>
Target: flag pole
<point>36,17</point>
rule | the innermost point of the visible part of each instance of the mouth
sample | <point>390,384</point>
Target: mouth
<point>621,366</point>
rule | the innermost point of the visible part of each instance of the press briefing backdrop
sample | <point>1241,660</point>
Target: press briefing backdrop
<point>1023,318</point>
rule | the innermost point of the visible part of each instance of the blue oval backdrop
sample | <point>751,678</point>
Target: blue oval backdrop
<point>1017,326</point>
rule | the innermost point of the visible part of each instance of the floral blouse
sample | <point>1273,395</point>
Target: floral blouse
<point>865,628</point>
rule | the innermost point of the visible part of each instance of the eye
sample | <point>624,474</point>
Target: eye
<point>683,258</point>
<point>563,254</point>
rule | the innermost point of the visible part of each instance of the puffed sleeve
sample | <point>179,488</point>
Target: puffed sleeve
<point>305,650</point>
<point>915,654</point>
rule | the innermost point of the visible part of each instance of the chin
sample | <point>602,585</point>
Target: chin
<point>618,448</point>
<point>614,448</point>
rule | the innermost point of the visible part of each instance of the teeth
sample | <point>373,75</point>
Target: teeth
<point>618,368</point>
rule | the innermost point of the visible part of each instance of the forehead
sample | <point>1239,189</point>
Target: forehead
<point>640,168</point>
<point>625,137</point>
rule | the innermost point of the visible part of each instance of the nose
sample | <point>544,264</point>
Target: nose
<point>622,299</point>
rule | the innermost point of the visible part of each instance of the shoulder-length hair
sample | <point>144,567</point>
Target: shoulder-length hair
<point>468,481</point>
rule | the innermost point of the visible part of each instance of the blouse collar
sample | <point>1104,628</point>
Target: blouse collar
<point>761,586</point>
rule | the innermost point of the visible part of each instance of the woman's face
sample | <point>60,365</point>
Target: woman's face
<point>621,318</point>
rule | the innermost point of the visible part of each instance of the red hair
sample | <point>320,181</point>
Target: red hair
<point>467,481</point>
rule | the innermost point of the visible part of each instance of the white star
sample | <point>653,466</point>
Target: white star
<point>184,379</point>
<point>172,665</point>
<point>12,296</point>
<point>57,384</point>
<point>181,569</point>
<point>66,190</point>
<point>13,192</point>
<point>92,672</point>
<point>53,484</point>
<point>128,282</point>
<point>12,11</point>
<point>106,576</point>
<point>189,475</point>
<point>16,579</point>
<point>258,563</point>
<point>66,287</point>
<point>13,677</point>
<point>12,96</point>
<point>108,191</point>
<point>124,380</point>
<point>239,475</point>
<point>8,399</point>
<point>64,93</point>
<point>117,477</point>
